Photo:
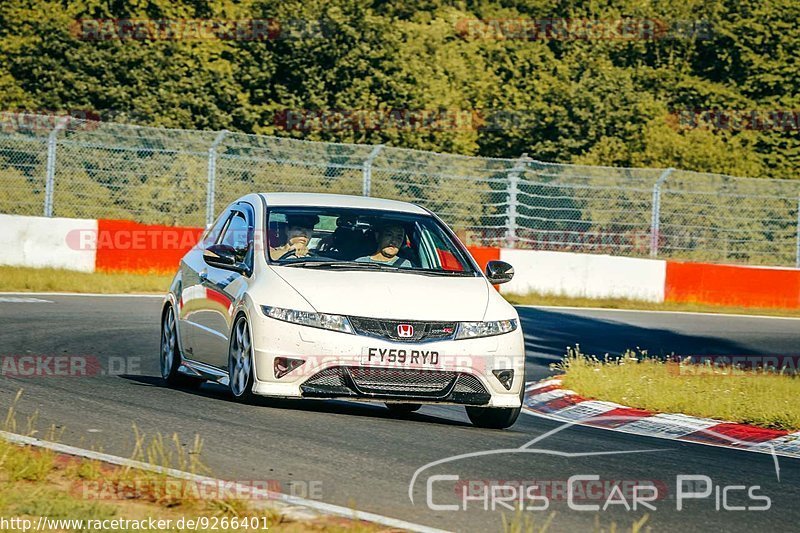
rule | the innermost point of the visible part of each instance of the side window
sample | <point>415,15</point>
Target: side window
<point>214,232</point>
<point>442,254</point>
<point>237,234</point>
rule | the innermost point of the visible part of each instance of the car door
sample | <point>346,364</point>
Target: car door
<point>192,291</point>
<point>214,319</point>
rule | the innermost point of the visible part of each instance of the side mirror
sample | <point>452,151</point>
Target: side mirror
<point>223,256</point>
<point>499,272</point>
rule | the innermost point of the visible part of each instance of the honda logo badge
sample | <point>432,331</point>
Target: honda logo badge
<point>405,330</point>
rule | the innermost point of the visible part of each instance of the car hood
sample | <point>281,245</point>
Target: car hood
<point>400,296</point>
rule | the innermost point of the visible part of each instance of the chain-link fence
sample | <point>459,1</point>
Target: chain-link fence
<point>55,166</point>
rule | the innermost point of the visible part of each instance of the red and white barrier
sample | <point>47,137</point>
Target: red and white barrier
<point>125,246</point>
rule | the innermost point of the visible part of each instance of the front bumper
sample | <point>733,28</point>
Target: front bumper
<point>338,365</point>
<point>381,383</point>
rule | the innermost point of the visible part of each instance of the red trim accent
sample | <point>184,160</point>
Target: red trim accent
<point>448,260</point>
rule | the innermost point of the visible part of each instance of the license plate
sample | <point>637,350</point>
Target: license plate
<point>402,356</point>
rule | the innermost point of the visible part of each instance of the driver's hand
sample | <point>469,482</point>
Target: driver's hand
<point>300,249</point>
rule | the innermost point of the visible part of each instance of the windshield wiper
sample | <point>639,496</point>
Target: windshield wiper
<point>435,272</point>
<point>341,264</point>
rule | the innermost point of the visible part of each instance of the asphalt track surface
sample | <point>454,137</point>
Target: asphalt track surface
<point>357,455</point>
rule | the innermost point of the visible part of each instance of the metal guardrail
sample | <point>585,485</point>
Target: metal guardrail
<point>67,167</point>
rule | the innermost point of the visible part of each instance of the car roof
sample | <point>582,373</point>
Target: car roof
<point>284,199</point>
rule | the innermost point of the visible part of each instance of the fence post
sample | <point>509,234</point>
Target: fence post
<point>51,166</point>
<point>367,187</point>
<point>655,219</point>
<point>797,252</point>
<point>212,177</point>
<point>513,189</point>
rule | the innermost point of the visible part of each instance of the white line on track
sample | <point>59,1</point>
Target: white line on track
<point>22,300</point>
<point>692,313</point>
<point>290,503</point>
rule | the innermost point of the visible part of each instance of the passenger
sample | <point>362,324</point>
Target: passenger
<point>298,235</point>
<point>391,238</point>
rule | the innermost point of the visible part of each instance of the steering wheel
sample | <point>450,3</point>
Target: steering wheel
<point>288,254</point>
<point>291,253</point>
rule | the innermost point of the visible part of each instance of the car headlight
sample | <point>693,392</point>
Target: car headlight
<point>473,330</point>
<point>313,320</point>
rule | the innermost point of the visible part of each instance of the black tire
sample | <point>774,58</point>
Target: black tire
<point>403,408</point>
<point>496,417</point>
<point>170,358</point>
<point>241,368</point>
<point>493,417</point>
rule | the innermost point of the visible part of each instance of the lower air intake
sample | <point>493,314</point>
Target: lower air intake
<point>405,381</point>
<point>396,383</point>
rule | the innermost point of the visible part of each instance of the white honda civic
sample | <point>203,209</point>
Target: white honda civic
<point>329,296</point>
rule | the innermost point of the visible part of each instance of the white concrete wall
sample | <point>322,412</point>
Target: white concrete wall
<point>585,275</point>
<point>40,242</point>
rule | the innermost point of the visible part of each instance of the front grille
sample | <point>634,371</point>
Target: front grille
<point>398,383</point>
<point>387,329</point>
<point>404,381</point>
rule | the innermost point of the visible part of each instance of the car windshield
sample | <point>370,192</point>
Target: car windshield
<point>352,239</point>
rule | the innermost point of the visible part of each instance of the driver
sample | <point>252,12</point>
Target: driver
<point>391,238</point>
<point>298,235</point>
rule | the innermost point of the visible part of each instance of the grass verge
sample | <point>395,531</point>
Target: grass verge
<point>36,482</point>
<point>622,303</point>
<point>19,279</point>
<point>527,522</point>
<point>765,398</point>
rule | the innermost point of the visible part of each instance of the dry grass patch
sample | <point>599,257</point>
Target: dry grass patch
<point>762,397</point>
<point>36,482</point>
<point>623,303</point>
<point>19,279</point>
